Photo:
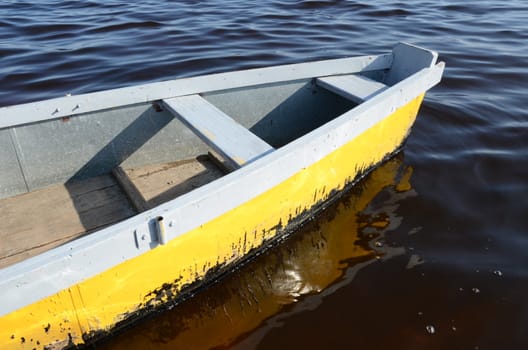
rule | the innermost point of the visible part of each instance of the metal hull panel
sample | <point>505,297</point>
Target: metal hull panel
<point>160,276</point>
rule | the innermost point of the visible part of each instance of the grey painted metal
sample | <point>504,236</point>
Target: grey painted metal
<point>144,94</point>
<point>160,228</point>
<point>12,180</point>
<point>281,113</point>
<point>61,151</point>
<point>408,59</point>
<point>353,87</point>
<point>227,137</point>
<point>92,143</point>
<point>31,280</point>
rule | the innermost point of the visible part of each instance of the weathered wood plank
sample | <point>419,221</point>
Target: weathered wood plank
<point>227,137</point>
<point>160,183</point>
<point>128,186</point>
<point>356,88</point>
<point>223,164</point>
<point>37,221</point>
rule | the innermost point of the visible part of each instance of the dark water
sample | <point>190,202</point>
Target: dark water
<point>429,252</point>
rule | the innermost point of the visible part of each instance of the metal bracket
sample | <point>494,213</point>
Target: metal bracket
<point>143,239</point>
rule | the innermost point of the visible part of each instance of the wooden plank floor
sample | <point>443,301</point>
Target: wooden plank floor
<point>40,220</point>
<point>34,222</point>
<point>160,183</point>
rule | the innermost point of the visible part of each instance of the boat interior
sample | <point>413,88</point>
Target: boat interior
<point>63,178</point>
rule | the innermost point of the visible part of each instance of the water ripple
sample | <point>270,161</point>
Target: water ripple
<point>468,148</point>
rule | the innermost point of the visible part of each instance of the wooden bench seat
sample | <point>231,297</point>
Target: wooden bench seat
<point>356,88</point>
<point>232,141</point>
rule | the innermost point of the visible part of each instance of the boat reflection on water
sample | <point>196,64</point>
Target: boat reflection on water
<point>315,261</point>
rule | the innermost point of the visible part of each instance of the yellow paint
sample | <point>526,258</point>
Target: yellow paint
<point>100,302</point>
<point>319,255</point>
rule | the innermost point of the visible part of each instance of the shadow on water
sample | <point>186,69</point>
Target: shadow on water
<point>321,258</point>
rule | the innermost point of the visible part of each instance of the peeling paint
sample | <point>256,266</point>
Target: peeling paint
<point>172,294</point>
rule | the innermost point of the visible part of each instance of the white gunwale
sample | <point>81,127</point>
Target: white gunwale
<point>43,275</point>
<point>96,101</point>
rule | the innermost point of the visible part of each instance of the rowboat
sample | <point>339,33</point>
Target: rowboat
<point>119,203</point>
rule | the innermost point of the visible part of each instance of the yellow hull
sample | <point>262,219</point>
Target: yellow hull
<point>323,255</point>
<point>95,306</point>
